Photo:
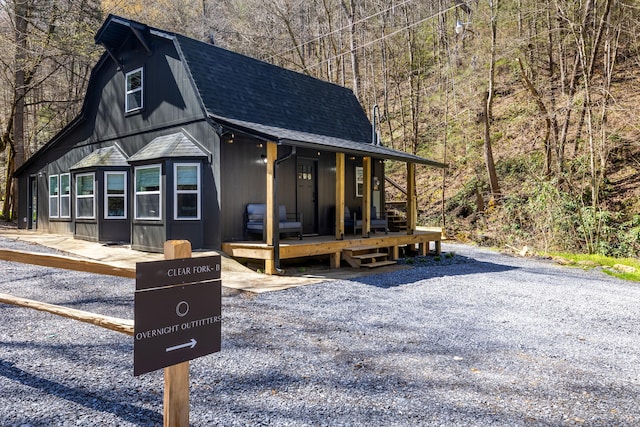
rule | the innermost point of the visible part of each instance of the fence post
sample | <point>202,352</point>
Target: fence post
<point>176,377</point>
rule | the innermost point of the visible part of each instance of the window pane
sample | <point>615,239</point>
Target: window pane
<point>53,207</point>
<point>187,205</point>
<point>64,206</point>
<point>85,207</point>
<point>115,183</point>
<point>134,80</point>
<point>65,184</point>
<point>148,206</point>
<point>134,101</point>
<point>148,179</point>
<point>53,185</point>
<point>187,178</point>
<point>84,186</point>
<point>115,206</point>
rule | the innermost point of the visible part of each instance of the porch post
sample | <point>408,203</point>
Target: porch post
<point>269,220</point>
<point>412,208</point>
<point>340,168</point>
<point>366,196</point>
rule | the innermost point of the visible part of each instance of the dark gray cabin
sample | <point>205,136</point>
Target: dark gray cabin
<point>171,143</point>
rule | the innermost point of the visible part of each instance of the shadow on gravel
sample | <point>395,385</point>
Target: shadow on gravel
<point>127,412</point>
<point>457,266</point>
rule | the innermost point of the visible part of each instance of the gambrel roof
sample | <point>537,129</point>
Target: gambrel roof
<point>267,101</point>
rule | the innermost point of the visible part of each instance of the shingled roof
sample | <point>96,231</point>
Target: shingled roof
<point>265,100</point>
<point>169,146</point>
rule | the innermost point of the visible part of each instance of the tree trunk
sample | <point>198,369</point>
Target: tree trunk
<point>16,138</point>
<point>488,104</point>
<point>350,11</point>
<point>543,110</point>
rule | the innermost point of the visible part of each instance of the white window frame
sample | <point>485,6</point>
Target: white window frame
<point>66,196</point>
<point>107,196</point>
<point>83,196</point>
<point>127,92</point>
<point>177,192</point>
<point>55,196</point>
<point>138,193</point>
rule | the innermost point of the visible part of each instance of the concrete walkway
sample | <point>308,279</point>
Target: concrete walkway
<point>234,274</point>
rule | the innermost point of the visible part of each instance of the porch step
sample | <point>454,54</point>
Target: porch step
<point>366,256</point>
<point>397,220</point>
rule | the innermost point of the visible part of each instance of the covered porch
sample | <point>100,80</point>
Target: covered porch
<point>343,242</point>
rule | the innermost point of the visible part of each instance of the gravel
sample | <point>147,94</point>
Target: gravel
<point>474,339</point>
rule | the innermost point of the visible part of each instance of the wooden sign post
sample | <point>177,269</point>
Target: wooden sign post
<point>176,377</point>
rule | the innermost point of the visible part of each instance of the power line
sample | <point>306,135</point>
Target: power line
<point>381,38</point>
<point>338,30</point>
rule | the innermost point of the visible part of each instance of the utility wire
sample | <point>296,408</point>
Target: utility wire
<point>381,38</point>
<point>338,30</point>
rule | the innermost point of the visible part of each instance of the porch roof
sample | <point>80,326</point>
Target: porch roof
<point>321,142</point>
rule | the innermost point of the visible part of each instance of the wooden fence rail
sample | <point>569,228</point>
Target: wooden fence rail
<point>57,261</point>
<point>67,263</point>
<point>115,324</point>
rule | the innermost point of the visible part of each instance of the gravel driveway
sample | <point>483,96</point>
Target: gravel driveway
<point>476,339</point>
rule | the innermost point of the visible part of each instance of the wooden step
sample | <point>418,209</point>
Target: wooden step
<point>360,250</point>
<point>366,256</point>
<point>379,264</point>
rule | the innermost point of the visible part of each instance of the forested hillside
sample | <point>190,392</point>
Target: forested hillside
<point>532,104</point>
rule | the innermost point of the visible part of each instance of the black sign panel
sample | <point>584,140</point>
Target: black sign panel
<point>175,323</point>
<point>156,274</point>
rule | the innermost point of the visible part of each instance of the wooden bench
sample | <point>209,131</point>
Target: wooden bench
<point>254,220</point>
<point>375,223</point>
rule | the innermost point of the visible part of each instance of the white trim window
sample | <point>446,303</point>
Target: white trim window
<point>148,192</point>
<point>54,196</point>
<point>65,195</point>
<point>85,196</point>
<point>115,195</point>
<point>186,196</point>
<point>134,99</point>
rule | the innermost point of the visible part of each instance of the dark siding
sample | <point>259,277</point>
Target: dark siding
<point>148,237</point>
<point>243,176</point>
<point>86,230</point>
<point>170,104</point>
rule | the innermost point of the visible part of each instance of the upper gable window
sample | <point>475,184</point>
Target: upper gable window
<point>133,91</point>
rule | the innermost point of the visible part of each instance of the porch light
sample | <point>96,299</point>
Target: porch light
<point>230,138</point>
<point>318,154</point>
<point>264,159</point>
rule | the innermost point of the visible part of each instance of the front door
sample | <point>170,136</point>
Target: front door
<point>307,195</point>
<point>33,203</point>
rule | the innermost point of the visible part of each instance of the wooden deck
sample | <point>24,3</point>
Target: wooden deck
<point>327,245</point>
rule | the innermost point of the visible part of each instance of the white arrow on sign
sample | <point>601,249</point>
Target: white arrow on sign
<point>191,344</point>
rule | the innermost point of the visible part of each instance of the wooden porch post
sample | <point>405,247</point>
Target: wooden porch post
<point>366,196</point>
<point>412,199</point>
<point>334,259</point>
<point>269,220</point>
<point>340,168</point>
